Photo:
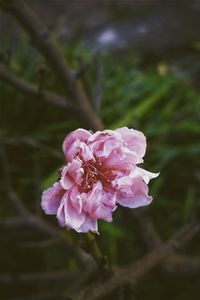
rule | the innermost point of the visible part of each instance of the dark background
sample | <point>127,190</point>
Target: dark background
<point>143,71</point>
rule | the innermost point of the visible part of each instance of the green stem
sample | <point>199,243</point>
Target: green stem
<point>94,250</point>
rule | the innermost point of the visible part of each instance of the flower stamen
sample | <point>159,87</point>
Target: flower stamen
<point>94,172</point>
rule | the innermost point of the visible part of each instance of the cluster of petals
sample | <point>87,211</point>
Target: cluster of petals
<point>101,172</point>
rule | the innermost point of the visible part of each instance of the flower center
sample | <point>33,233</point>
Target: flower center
<point>94,172</point>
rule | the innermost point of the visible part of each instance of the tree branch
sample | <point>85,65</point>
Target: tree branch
<point>19,206</point>
<point>32,143</point>
<point>10,278</point>
<point>174,264</point>
<point>29,219</point>
<point>134,272</point>
<point>31,90</point>
<point>147,231</point>
<point>43,41</point>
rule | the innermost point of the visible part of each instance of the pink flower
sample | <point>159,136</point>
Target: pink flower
<point>101,172</point>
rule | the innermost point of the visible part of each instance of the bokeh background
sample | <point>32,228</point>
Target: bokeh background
<point>142,70</point>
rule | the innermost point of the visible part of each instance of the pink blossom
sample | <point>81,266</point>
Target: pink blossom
<point>101,173</point>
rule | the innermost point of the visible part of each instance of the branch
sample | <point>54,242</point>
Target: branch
<point>181,264</point>
<point>31,90</point>
<point>32,143</point>
<point>146,229</point>
<point>10,278</point>
<point>43,41</point>
<point>19,206</point>
<point>29,219</point>
<point>174,264</point>
<point>134,272</point>
<point>39,244</point>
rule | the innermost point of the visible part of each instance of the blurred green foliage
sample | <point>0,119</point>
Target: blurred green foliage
<point>153,98</point>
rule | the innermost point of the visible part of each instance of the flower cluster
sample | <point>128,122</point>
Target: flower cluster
<point>101,173</point>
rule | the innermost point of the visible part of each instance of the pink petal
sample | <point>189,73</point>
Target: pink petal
<point>72,141</point>
<point>136,201</point>
<point>99,204</point>
<point>89,225</point>
<point>146,175</point>
<point>85,153</point>
<point>120,157</point>
<point>104,142</point>
<point>135,195</point>
<point>66,181</point>
<point>69,216</point>
<point>76,199</point>
<point>72,151</point>
<point>61,214</point>
<point>51,198</point>
<point>134,139</point>
<point>72,174</point>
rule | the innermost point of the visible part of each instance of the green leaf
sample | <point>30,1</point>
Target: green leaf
<point>113,230</point>
<point>142,108</point>
<point>49,180</point>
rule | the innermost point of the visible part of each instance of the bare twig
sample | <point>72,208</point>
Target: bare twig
<point>19,206</point>
<point>29,219</point>
<point>146,229</point>
<point>32,143</point>
<point>12,222</point>
<point>134,272</point>
<point>10,278</point>
<point>39,244</point>
<point>174,264</point>
<point>178,264</point>
<point>31,90</point>
<point>42,40</point>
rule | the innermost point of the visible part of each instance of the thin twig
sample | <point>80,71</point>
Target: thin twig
<point>39,244</point>
<point>10,278</point>
<point>32,143</point>
<point>47,46</point>
<point>31,90</point>
<point>35,221</point>
<point>146,228</point>
<point>19,206</point>
<point>134,272</point>
<point>175,263</point>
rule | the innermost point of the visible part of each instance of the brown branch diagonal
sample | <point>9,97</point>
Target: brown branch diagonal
<point>31,90</point>
<point>133,273</point>
<point>175,263</point>
<point>9,278</point>
<point>49,48</point>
